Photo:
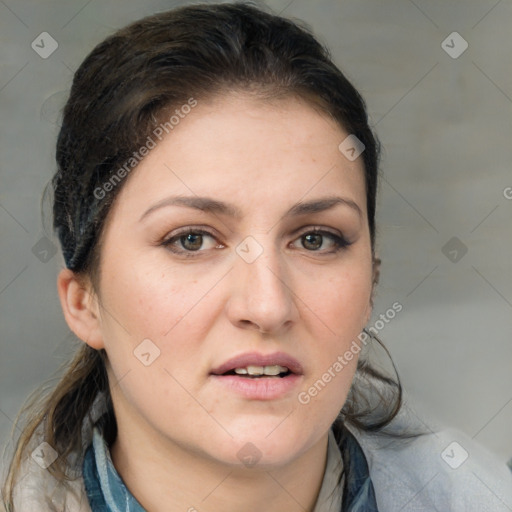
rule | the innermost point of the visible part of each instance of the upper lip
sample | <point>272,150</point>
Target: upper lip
<point>256,359</point>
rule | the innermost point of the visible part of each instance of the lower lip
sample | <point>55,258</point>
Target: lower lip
<point>263,388</point>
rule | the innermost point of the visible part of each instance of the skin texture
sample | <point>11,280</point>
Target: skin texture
<point>179,430</point>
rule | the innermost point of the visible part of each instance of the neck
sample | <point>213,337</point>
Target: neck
<point>164,476</point>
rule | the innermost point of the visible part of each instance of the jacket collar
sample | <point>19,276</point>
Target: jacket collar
<point>358,492</point>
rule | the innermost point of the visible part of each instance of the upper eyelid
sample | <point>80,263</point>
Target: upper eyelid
<point>187,230</point>
<point>208,231</point>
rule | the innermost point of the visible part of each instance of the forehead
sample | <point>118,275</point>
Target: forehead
<point>256,152</point>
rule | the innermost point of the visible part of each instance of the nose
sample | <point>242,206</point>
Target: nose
<point>262,293</point>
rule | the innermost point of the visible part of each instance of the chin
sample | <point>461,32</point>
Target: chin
<point>264,442</point>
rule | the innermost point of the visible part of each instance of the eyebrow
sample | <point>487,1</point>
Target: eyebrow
<point>210,205</point>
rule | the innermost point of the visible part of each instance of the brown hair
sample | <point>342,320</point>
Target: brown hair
<point>120,93</point>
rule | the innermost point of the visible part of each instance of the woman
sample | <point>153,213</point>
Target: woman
<point>215,203</point>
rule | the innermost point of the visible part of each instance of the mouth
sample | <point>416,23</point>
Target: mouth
<point>260,372</point>
<point>254,365</point>
<point>260,377</point>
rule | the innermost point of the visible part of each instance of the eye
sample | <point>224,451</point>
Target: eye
<point>314,239</point>
<point>189,241</point>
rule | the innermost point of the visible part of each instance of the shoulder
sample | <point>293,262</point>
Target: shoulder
<point>442,470</point>
<point>37,490</point>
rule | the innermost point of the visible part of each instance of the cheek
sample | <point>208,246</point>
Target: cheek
<point>342,301</point>
<point>336,315</point>
<point>151,302</point>
<point>153,331</point>
<point>172,308</point>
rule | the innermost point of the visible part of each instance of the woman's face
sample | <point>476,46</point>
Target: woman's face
<point>260,286</point>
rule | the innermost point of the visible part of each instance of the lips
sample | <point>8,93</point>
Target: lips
<point>256,359</point>
<point>257,387</point>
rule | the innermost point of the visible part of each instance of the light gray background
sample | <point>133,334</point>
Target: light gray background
<point>446,127</point>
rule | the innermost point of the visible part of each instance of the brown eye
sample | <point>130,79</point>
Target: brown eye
<point>189,241</point>
<point>313,241</point>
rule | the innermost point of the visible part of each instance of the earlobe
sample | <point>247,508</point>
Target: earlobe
<point>79,308</point>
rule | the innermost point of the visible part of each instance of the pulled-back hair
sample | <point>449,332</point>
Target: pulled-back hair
<point>126,87</point>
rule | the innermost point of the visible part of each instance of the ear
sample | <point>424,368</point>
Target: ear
<point>80,308</point>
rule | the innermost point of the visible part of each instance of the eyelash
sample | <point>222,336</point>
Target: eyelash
<point>340,243</point>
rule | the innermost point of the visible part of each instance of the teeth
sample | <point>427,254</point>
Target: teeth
<point>261,370</point>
